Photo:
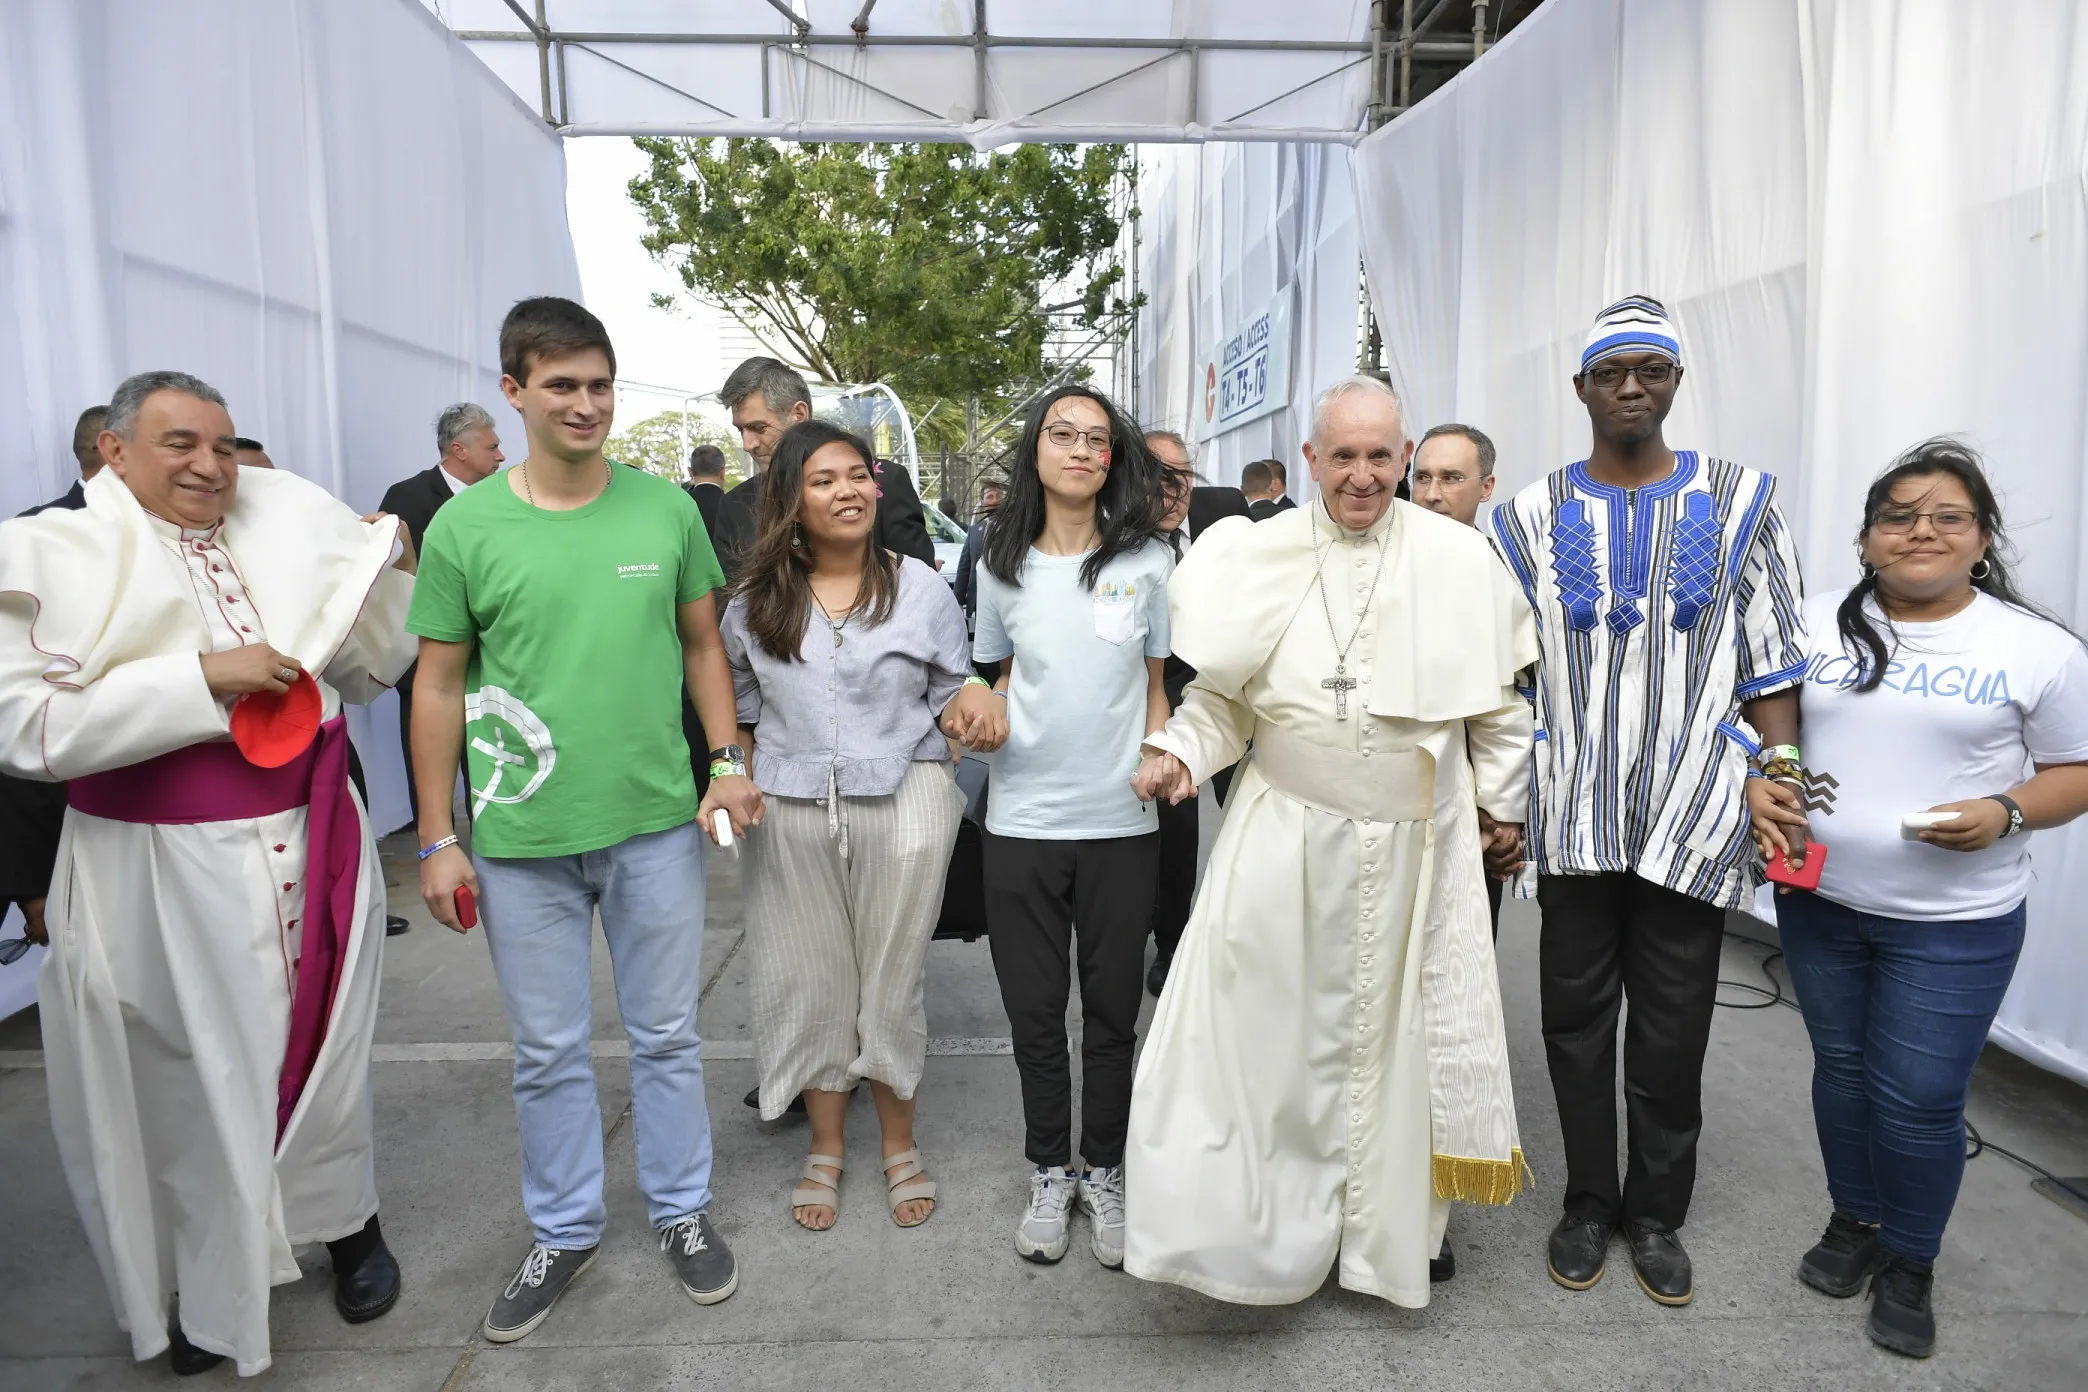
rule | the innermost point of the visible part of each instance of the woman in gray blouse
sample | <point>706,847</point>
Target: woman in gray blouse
<point>851,667</point>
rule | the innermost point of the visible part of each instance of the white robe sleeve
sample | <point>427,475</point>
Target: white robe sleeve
<point>138,711</point>
<point>1208,732</point>
<point>1499,742</point>
<point>378,650</point>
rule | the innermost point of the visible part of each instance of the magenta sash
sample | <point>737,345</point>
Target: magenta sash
<point>215,783</point>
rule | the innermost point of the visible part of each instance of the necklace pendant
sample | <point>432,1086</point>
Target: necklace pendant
<point>837,635</point>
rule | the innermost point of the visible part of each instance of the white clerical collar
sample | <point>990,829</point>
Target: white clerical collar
<point>1334,531</point>
<point>175,532</point>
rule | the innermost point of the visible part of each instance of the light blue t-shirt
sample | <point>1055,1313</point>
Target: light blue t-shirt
<point>1077,694</point>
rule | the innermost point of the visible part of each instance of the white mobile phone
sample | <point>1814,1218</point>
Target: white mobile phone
<point>721,822</point>
<point>1914,823</point>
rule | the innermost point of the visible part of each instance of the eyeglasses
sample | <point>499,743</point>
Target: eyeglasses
<point>1652,374</point>
<point>12,950</point>
<point>1948,522</point>
<point>1066,436</point>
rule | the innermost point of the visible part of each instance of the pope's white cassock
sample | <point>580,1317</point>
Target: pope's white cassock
<point>1327,1068</point>
<point>209,1087</point>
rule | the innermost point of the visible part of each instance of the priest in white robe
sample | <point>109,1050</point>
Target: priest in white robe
<point>1327,1068</point>
<point>215,926</point>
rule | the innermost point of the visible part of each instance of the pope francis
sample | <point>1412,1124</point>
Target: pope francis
<point>215,924</point>
<point>1327,1068</point>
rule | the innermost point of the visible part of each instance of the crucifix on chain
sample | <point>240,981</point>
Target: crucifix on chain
<point>1341,684</point>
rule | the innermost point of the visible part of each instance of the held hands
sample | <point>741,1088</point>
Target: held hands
<point>1161,774</point>
<point>976,718</point>
<point>1980,823</point>
<point>256,667</point>
<point>741,801</point>
<point>440,875</point>
<point>1501,843</point>
<point>1779,820</point>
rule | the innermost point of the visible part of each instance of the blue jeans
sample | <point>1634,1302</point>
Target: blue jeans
<point>539,926</point>
<point>1898,1011</point>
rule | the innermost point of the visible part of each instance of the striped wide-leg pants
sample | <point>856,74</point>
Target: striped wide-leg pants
<point>837,935</point>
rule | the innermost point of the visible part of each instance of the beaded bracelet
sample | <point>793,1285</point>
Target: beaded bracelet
<point>443,844</point>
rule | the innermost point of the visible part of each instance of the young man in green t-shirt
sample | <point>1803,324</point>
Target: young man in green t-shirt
<point>561,606</point>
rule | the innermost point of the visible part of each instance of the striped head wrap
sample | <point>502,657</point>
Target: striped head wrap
<point>1636,324</point>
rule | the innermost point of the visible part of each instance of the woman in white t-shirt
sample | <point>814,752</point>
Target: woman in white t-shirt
<point>1073,607</point>
<point>1932,687</point>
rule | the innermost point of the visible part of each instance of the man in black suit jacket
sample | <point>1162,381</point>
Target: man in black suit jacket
<point>87,454</point>
<point>470,450</point>
<point>707,485</point>
<point>766,398</point>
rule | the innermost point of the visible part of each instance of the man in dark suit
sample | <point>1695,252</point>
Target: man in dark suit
<point>1261,483</point>
<point>707,484</point>
<point>967,587</point>
<point>470,451</point>
<point>766,398</point>
<point>87,454</point>
<point>1194,510</point>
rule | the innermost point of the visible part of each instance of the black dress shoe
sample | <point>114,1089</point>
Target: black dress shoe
<point>1443,1265</point>
<point>1843,1259</point>
<point>1156,975</point>
<point>796,1107</point>
<point>394,925</point>
<point>1901,1318</point>
<point>185,1358</point>
<point>1578,1251</point>
<point>1660,1263</point>
<point>369,1290</point>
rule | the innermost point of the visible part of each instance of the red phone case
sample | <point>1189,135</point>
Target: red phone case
<point>1806,877</point>
<point>467,907</point>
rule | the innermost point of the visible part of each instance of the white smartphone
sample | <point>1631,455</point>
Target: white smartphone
<point>721,822</point>
<point>1914,823</point>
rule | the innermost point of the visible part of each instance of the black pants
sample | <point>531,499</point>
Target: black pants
<point>1037,894</point>
<point>1607,938</point>
<point>405,690</point>
<point>1175,889</point>
<point>1494,888</point>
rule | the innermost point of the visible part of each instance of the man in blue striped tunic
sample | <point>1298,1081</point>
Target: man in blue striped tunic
<point>1667,597</point>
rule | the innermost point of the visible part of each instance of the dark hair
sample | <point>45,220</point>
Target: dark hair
<point>777,578</point>
<point>779,386</point>
<point>1133,499</point>
<point>1470,432</point>
<point>1256,478</point>
<point>549,327</point>
<point>706,461</point>
<point>241,442</point>
<point>1282,474</point>
<point>1936,458</point>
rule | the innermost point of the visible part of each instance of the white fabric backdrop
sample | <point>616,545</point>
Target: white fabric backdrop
<point>1225,227</point>
<point>321,207</point>
<point>1869,216</point>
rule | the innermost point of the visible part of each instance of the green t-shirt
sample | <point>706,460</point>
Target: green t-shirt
<point>572,708</point>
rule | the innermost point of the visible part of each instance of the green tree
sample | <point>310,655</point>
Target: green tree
<point>655,443</point>
<point>934,268</point>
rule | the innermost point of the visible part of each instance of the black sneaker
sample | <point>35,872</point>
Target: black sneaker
<point>538,1282</point>
<point>1901,1318</point>
<point>701,1259</point>
<point>1659,1262</point>
<point>1843,1259</point>
<point>1578,1252</point>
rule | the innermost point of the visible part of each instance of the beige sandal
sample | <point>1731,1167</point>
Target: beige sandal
<point>905,1185</point>
<point>822,1192</point>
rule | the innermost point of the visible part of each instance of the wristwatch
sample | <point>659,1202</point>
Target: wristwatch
<point>731,756</point>
<point>2015,813</point>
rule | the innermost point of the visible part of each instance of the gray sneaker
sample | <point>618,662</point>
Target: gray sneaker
<point>1046,1224</point>
<point>1102,1199</point>
<point>539,1281</point>
<point>701,1259</point>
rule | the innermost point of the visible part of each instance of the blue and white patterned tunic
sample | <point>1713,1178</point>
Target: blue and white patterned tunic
<point>1659,610</point>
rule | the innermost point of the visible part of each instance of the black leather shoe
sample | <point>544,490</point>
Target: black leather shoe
<point>1578,1252</point>
<point>1843,1259</point>
<point>1156,975</point>
<point>796,1107</point>
<point>185,1358</point>
<point>370,1289</point>
<point>1901,1318</point>
<point>394,925</point>
<point>1443,1265</point>
<point>1660,1263</point>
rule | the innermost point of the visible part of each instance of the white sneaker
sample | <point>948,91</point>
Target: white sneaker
<point>1046,1227</point>
<point>1102,1199</point>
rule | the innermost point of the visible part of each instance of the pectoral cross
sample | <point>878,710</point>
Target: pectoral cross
<point>1341,684</point>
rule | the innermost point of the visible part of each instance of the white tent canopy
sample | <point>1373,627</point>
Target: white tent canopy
<point>982,72</point>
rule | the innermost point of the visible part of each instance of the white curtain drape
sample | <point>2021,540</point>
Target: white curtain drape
<point>321,207</point>
<point>1870,218</point>
<point>1226,229</point>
